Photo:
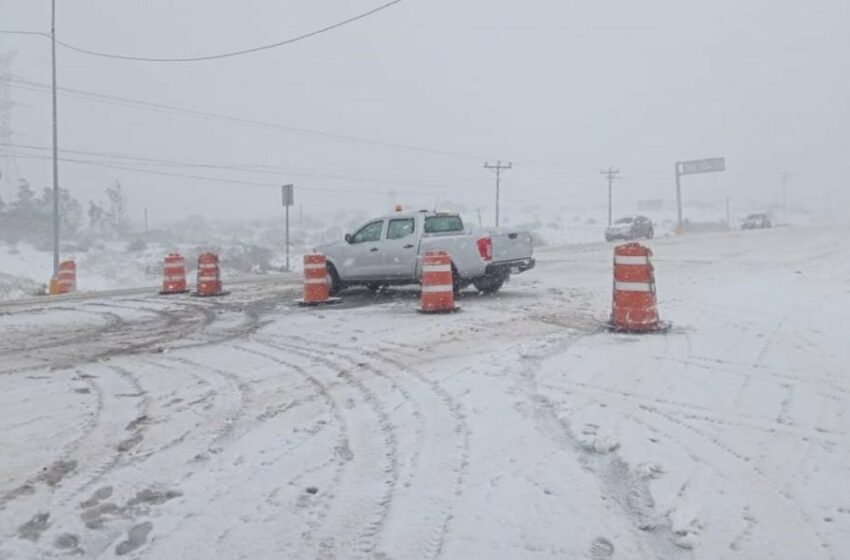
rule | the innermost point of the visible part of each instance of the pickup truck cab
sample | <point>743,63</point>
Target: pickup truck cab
<point>387,251</point>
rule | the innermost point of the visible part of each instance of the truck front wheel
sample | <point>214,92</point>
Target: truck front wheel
<point>489,284</point>
<point>335,285</point>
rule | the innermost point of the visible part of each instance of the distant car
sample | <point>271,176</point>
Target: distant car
<point>757,221</point>
<point>630,227</point>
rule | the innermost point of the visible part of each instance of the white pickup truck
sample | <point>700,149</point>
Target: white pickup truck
<point>386,251</point>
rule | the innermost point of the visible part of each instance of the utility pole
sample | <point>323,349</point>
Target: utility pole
<point>480,221</point>
<point>146,225</point>
<point>55,145</point>
<point>287,193</point>
<point>612,175</point>
<point>498,169</point>
<point>679,223</point>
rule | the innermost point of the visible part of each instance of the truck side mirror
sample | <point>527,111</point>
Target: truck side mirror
<point>348,238</point>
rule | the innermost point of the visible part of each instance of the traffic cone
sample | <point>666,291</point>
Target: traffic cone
<point>209,276</point>
<point>174,275</point>
<point>316,284</point>
<point>634,306</point>
<point>437,287</point>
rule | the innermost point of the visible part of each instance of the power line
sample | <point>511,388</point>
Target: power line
<point>213,56</point>
<point>264,169</point>
<point>18,32</point>
<point>172,109</point>
<point>107,165</point>
<point>124,167</point>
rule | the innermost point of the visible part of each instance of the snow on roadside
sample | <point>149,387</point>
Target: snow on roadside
<point>25,270</point>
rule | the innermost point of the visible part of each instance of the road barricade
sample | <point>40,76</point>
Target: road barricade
<point>174,275</point>
<point>66,281</point>
<point>634,306</point>
<point>437,285</point>
<point>316,281</point>
<point>209,276</point>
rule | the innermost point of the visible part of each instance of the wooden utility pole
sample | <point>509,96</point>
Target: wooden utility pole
<point>612,175</point>
<point>498,168</point>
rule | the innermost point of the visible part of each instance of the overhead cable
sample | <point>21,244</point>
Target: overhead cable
<point>216,56</point>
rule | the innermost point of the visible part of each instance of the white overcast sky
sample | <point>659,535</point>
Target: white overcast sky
<point>561,88</point>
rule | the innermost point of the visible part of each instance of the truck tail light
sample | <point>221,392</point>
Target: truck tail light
<point>485,248</point>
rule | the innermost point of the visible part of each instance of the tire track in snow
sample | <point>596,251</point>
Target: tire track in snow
<point>341,456</point>
<point>66,338</point>
<point>368,490</point>
<point>653,532</point>
<point>226,398</point>
<point>742,459</point>
<point>426,513</point>
<point>94,453</point>
<point>700,458</point>
<point>689,411</point>
<point>237,464</point>
<point>119,447</point>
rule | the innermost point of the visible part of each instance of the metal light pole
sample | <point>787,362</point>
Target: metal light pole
<point>55,147</point>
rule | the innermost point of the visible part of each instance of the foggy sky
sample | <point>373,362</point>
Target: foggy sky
<point>561,88</point>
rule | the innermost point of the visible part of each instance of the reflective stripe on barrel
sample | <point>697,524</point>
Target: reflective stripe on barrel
<point>66,280</point>
<point>634,306</point>
<point>209,275</point>
<point>173,274</point>
<point>316,288</point>
<point>437,284</point>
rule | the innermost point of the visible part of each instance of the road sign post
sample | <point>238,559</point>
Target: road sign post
<point>691,167</point>
<point>287,196</point>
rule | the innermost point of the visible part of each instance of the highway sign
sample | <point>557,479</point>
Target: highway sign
<point>703,166</point>
<point>287,195</point>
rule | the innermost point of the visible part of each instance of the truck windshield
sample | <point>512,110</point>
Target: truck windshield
<point>443,224</point>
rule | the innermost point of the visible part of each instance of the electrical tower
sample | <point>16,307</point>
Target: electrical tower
<point>498,168</point>
<point>612,175</point>
<point>9,169</point>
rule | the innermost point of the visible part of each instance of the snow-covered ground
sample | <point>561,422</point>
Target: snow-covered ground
<point>25,270</point>
<point>247,427</point>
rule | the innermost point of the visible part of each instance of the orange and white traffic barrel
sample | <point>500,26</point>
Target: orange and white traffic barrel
<point>174,275</point>
<point>209,275</point>
<point>66,281</point>
<point>317,287</point>
<point>634,304</point>
<point>437,287</point>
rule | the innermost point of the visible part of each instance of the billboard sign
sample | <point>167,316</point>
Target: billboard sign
<point>703,166</point>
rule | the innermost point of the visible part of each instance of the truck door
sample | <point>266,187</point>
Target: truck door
<point>400,248</point>
<point>363,255</point>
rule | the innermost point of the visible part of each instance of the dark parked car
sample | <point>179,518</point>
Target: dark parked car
<point>757,221</point>
<point>631,227</point>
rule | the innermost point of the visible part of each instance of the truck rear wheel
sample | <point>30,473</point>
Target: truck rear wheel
<point>489,284</point>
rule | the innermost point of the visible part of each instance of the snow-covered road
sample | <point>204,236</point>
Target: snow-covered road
<point>247,427</point>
